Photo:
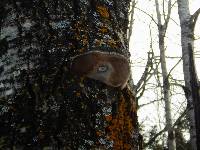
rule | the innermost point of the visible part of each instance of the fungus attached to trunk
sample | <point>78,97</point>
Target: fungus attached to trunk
<point>110,68</point>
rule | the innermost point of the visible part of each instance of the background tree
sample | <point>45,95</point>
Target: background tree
<point>162,28</point>
<point>43,104</point>
<point>187,23</point>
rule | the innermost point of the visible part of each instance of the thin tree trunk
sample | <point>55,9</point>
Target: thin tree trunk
<point>43,105</point>
<point>187,23</point>
<point>133,3</point>
<point>166,85</point>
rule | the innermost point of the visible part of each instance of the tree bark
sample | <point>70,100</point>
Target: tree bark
<point>43,104</point>
<point>191,80</point>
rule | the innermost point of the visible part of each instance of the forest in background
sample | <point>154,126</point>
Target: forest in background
<point>157,46</point>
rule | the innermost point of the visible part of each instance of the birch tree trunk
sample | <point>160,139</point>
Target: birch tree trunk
<point>166,85</point>
<point>42,104</point>
<point>187,23</point>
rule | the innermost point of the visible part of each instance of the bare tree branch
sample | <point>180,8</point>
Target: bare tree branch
<point>145,73</point>
<point>174,67</point>
<point>141,85</point>
<point>194,17</point>
<point>147,15</point>
<point>151,102</point>
<point>177,84</point>
<point>158,13</point>
<point>168,14</point>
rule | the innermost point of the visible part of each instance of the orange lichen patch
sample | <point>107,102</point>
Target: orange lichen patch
<point>77,36</point>
<point>80,33</point>
<point>78,94</point>
<point>108,117</point>
<point>103,11</point>
<point>85,41</point>
<point>121,127</point>
<point>98,133</point>
<point>112,43</point>
<point>99,42</point>
<point>82,50</point>
<point>103,30</point>
<point>77,25</point>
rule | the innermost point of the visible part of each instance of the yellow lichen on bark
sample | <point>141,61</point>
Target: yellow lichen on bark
<point>78,94</point>
<point>98,133</point>
<point>108,117</point>
<point>84,40</point>
<point>81,34</point>
<point>99,42</point>
<point>103,11</point>
<point>103,30</point>
<point>81,50</point>
<point>120,127</point>
<point>112,43</point>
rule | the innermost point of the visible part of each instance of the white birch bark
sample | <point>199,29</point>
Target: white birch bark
<point>187,42</point>
<point>166,85</point>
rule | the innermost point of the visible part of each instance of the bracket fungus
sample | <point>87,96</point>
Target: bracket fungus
<point>108,67</point>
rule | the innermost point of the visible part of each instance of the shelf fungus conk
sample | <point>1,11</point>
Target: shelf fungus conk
<point>108,67</point>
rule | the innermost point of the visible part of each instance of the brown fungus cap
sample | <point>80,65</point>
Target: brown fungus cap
<point>110,68</point>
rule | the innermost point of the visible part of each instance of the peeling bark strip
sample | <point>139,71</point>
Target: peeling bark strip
<point>42,104</point>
